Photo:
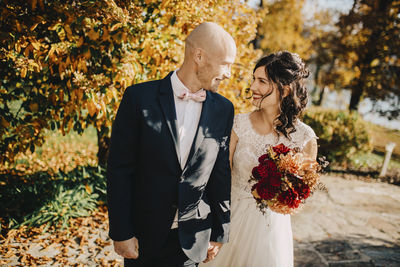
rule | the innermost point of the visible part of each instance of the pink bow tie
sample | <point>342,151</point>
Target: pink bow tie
<point>199,96</point>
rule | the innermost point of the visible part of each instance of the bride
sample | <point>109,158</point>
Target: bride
<point>279,93</point>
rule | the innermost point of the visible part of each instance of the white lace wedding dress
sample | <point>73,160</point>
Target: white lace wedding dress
<point>256,240</point>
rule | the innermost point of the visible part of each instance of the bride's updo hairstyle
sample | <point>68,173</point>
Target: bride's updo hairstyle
<point>288,71</point>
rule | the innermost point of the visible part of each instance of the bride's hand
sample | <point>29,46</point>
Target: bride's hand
<point>213,249</point>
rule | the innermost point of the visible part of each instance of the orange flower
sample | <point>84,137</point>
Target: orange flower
<point>281,208</point>
<point>291,163</point>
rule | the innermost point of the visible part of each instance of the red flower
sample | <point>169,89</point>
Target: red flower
<point>267,170</point>
<point>275,178</point>
<point>260,172</point>
<point>289,197</point>
<point>303,191</point>
<point>281,149</point>
<point>263,158</point>
<point>265,190</point>
<point>270,165</point>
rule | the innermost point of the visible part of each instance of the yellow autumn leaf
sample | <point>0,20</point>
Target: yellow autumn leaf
<point>79,93</point>
<point>19,27</point>
<point>164,4</point>
<point>34,26</point>
<point>4,122</point>
<point>51,52</point>
<point>17,47</point>
<point>375,62</point>
<point>68,30</point>
<point>33,4</point>
<point>36,124</point>
<point>93,35</point>
<point>80,41</point>
<point>116,26</point>
<point>124,37</point>
<point>103,107</point>
<point>61,95</point>
<point>87,54</point>
<point>23,72</point>
<point>70,124</point>
<point>61,33</point>
<point>28,50</point>
<point>34,107</point>
<point>53,99</point>
<point>105,35</point>
<point>91,108</point>
<point>88,189</point>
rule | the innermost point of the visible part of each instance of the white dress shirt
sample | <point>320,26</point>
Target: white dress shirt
<point>188,115</point>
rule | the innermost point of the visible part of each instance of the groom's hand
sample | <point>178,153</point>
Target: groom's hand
<point>128,248</point>
<point>213,249</point>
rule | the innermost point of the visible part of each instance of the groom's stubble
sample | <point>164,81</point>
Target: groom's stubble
<point>210,52</point>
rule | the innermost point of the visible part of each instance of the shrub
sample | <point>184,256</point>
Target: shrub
<point>40,198</point>
<point>341,134</point>
<point>66,204</point>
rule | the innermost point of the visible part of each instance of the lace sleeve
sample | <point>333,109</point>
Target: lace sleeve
<point>303,135</point>
<point>308,134</point>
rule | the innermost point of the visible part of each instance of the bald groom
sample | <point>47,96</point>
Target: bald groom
<point>168,173</point>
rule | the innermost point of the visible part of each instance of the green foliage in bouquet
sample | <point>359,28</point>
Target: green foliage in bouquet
<point>341,134</point>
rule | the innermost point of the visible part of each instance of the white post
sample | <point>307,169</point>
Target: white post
<point>389,149</point>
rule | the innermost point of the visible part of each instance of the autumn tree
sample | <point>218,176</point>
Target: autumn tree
<point>64,65</point>
<point>369,46</point>
<point>322,32</point>
<point>282,27</point>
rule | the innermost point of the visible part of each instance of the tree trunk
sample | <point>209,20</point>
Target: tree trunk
<point>364,63</point>
<point>315,90</point>
<point>356,93</point>
<point>321,97</point>
<point>103,142</point>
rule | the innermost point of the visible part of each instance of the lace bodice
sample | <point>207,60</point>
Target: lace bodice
<point>251,146</point>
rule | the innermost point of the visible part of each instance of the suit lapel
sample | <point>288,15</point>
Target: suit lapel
<point>166,98</point>
<point>204,125</point>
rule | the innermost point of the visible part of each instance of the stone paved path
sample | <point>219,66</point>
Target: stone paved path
<point>355,223</point>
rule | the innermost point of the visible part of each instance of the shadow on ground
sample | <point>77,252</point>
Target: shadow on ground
<point>347,252</point>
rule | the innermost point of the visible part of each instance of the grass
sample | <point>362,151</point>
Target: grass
<point>88,136</point>
<point>374,161</point>
<point>58,153</point>
<point>381,136</point>
<point>58,181</point>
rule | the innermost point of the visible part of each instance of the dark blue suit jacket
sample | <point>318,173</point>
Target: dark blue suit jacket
<point>146,184</point>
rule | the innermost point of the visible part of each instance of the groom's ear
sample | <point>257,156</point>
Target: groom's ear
<point>198,55</point>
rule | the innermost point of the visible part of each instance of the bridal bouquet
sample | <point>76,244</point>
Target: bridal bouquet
<point>284,178</point>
